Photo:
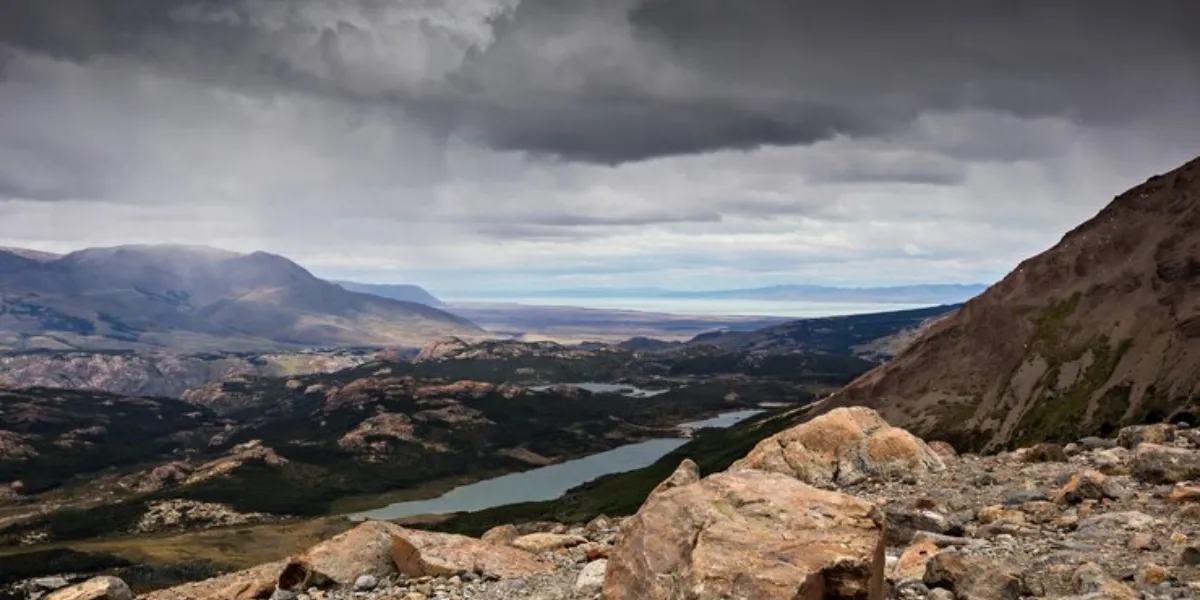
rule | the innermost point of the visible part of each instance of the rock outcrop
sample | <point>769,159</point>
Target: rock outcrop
<point>1100,331</point>
<point>752,535</point>
<point>845,446</point>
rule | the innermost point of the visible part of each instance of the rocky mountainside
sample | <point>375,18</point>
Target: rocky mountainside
<point>1101,330</point>
<point>406,293</point>
<point>876,336</point>
<point>161,374</point>
<point>182,297</point>
<point>843,507</point>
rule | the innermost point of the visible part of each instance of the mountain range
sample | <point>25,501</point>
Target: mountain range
<point>402,292</point>
<point>196,298</point>
<point>907,294</point>
<point>1101,330</point>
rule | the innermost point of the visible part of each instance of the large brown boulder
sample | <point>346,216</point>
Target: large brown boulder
<point>751,535</point>
<point>1157,464</point>
<point>973,577</point>
<point>364,550</point>
<point>374,548</point>
<point>420,553</point>
<point>841,447</point>
<point>254,583</point>
<point>96,588</point>
<point>381,549</point>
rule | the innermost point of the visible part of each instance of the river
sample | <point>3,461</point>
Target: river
<point>552,481</point>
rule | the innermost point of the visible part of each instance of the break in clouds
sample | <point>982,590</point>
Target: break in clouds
<point>514,143</point>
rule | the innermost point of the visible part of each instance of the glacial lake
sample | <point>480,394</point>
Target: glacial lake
<point>551,481</point>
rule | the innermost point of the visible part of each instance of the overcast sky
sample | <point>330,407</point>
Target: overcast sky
<point>470,145</point>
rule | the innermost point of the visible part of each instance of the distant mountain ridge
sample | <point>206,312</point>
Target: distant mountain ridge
<point>403,292</point>
<point>875,336</point>
<point>905,294</point>
<point>197,298</point>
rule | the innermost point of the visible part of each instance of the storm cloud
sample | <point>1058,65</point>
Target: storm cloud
<point>423,137</point>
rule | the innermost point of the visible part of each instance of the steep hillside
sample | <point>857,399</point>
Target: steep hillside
<point>183,297</point>
<point>1101,330</point>
<point>405,293</point>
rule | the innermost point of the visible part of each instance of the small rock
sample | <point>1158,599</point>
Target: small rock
<point>51,583</point>
<point>1190,556</point>
<point>1143,542</point>
<point>940,594</point>
<point>1152,575</point>
<point>1184,493</point>
<point>1042,453</point>
<point>1088,485</point>
<point>282,594</point>
<point>1130,437</point>
<point>365,583</point>
<point>998,514</point>
<point>1096,443</point>
<point>1021,497</point>
<point>591,578</point>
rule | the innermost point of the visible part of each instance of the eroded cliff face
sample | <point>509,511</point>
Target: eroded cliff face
<point>1101,330</point>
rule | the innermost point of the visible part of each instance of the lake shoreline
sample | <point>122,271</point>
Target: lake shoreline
<point>659,442</point>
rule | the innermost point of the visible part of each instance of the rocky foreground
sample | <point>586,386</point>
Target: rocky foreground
<point>844,506</point>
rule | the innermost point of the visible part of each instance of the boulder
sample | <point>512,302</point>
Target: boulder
<point>842,447</point>
<point>501,534</point>
<point>420,553</point>
<point>250,584</point>
<point>1131,437</point>
<point>364,550</point>
<point>1157,464</point>
<point>973,577</point>
<point>545,542</point>
<point>96,588</point>
<point>752,535</point>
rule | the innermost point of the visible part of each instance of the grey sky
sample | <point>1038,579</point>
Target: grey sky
<point>483,144</point>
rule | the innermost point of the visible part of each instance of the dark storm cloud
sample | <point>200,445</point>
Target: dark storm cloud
<point>627,80</point>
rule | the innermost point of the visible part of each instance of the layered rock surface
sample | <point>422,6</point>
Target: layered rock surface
<point>749,534</point>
